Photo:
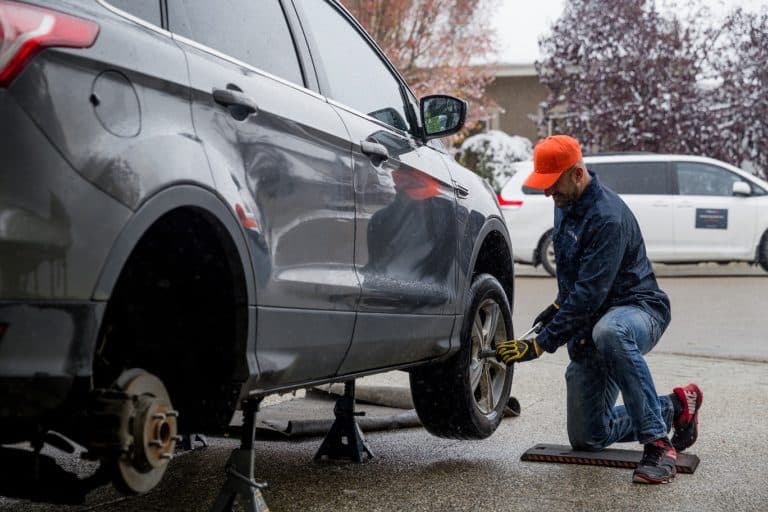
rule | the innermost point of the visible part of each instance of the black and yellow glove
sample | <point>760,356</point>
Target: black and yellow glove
<point>518,351</point>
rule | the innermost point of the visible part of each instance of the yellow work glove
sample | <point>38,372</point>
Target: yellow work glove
<point>517,351</point>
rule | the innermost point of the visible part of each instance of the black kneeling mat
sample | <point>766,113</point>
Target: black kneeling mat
<point>686,462</point>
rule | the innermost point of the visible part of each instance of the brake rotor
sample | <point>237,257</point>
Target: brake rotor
<point>152,429</point>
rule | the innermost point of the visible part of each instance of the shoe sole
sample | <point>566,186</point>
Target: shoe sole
<point>642,479</point>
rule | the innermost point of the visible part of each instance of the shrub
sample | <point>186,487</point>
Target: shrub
<point>492,154</point>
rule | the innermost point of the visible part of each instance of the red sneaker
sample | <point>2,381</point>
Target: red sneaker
<point>687,423</point>
<point>659,463</point>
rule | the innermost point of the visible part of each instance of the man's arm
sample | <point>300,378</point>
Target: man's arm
<point>599,266</point>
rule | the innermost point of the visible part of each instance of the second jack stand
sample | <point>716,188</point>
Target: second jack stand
<point>240,483</point>
<point>344,441</point>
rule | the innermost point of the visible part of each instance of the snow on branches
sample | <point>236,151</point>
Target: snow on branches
<point>624,76</point>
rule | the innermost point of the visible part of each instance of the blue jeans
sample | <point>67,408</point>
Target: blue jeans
<point>616,364</point>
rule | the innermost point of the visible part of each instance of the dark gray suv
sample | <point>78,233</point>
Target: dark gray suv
<point>203,202</point>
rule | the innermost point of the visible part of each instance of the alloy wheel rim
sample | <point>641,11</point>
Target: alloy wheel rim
<point>486,374</point>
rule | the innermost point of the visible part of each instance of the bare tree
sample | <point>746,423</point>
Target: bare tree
<point>438,45</point>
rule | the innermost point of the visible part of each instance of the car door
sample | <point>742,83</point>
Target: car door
<point>646,187</point>
<point>280,155</point>
<point>406,237</point>
<point>710,222</point>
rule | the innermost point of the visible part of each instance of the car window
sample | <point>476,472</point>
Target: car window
<point>356,74</point>
<point>757,190</point>
<point>254,32</point>
<point>147,10</point>
<point>532,191</point>
<point>697,179</point>
<point>634,177</point>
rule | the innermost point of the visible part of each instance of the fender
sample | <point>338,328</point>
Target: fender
<point>155,207</point>
<point>492,224</point>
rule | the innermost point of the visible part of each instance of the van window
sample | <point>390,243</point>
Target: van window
<point>634,177</point>
<point>532,191</point>
<point>697,179</point>
<point>256,33</point>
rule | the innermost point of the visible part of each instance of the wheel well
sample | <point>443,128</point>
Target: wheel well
<point>494,258</point>
<point>179,311</point>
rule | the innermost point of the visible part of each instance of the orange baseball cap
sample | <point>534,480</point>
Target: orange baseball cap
<point>551,157</point>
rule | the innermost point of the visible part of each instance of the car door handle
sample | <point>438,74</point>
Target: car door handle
<point>240,105</point>
<point>685,205</point>
<point>660,203</point>
<point>377,152</point>
<point>461,190</point>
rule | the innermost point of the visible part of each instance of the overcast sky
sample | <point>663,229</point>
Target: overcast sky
<point>519,23</point>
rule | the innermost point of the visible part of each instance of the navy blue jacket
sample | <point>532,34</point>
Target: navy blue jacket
<point>601,263</point>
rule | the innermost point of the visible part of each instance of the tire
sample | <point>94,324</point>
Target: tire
<point>464,397</point>
<point>762,252</point>
<point>547,254</point>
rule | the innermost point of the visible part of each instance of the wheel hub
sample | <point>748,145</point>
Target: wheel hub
<point>151,435</point>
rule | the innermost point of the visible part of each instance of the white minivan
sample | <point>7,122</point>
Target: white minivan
<point>690,209</point>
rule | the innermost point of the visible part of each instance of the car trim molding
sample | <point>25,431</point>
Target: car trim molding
<point>224,56</point>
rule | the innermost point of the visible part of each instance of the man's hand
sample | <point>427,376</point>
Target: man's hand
<point>517,351</point>
<point>547,315</point>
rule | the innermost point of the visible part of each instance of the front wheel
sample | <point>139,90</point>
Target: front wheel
<point>762,252</point>
<point>547,254</point>
<point>464,397</point>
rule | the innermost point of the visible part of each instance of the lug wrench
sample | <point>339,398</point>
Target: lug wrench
<point>484,354</point>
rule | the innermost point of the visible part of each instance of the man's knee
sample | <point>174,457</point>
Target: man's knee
<point>607,334</point>
<point>584,440</point>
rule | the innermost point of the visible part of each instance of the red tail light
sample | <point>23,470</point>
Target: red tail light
<point>25,30</point>
<point>508,202</point>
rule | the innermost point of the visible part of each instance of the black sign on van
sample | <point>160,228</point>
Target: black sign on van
<point>711,218</point>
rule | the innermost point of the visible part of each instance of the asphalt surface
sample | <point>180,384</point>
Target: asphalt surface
<point>717,339</point>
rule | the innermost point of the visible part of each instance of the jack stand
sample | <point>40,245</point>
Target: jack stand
<point>240,484</point>
<point>344,441</point>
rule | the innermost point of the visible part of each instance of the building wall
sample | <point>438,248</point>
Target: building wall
<point>519,96</point>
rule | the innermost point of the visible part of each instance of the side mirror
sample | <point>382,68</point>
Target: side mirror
<point>442,115</point>
<point>741,188</point>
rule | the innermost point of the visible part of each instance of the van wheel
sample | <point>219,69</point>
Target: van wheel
<point>547,254</point>
<point>464,397</point>
<point>762,252</point>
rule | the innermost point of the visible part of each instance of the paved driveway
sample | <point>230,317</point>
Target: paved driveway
<point>718,339</point>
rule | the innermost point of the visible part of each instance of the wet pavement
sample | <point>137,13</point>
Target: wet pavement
<point>415,471</point>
